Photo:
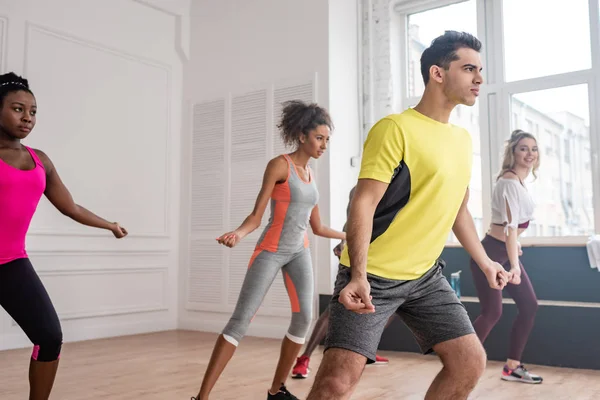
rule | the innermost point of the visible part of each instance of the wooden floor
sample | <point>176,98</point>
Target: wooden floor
<point>169,366</point>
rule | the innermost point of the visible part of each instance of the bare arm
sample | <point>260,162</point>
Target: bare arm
<point>465,232</point>
<point>276,171</point>
<point>60,197</point>
<point>512,244</point>
<point>321,230</point>
<point>337,250</point>
<point>382,152</point>
<point>350,196</point>
<point>360,223</point>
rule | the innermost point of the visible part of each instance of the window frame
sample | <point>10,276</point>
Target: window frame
<point>495,96</point>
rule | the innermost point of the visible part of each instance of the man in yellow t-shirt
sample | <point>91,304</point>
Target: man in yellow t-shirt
<point>412,191</point>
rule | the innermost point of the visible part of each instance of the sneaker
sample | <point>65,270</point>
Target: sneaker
<point>282,394</point>
<point>520,374</point>
<point>380,360</point>
<point>301,370</point>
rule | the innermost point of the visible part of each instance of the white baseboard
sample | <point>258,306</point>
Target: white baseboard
<point>91,330</point>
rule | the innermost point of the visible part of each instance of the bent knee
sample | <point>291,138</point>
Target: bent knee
<point>473,363</point>
<point>300,325</point>
<point>235,331</point>
<point>341,368</point>
<point>334,386</point>
<point>303,318</point>
<point>48,349</point>
<point>465,357</point>
<point>530,309</point>
<point>492,314</point>
<point>336,380</point>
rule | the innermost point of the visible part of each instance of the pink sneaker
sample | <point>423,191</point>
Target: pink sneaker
<point>300,370</point>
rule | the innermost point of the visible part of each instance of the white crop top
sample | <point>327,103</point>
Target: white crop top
<point>519,201</point>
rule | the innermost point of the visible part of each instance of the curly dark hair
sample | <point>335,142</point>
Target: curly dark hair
<point>11,82</point>
<point>299,118</point>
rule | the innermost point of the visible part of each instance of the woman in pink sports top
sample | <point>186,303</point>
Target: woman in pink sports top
<point>26,174</point>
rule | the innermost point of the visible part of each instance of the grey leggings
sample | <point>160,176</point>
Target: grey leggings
<point>298,279</point>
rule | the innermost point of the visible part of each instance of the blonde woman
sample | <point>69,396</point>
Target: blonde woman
<point>512,209</point>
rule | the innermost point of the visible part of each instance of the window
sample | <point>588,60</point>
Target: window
<point>546,142</point>
<point>587,156</point>
<point>563,110</point>
<point>526,89</point>
<point>529,125</point>
<point>423,27</point>
<point>528,42</point>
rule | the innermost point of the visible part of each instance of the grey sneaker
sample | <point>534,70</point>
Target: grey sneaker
<point>520,374</point>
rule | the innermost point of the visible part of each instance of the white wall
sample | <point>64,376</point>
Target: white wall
<point>346,143</point>
<point>245,58</point>
<point>107,77</point>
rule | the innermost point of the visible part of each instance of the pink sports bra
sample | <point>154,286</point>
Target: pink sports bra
<point>20,193</point>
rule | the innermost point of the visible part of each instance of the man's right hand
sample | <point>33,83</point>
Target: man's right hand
<point>497,276</point>
<point>356,296</point>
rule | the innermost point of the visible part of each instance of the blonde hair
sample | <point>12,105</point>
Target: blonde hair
<point>508,160</point>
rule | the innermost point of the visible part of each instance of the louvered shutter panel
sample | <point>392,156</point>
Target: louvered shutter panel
<point>205,277</point>
<point>248,162</point>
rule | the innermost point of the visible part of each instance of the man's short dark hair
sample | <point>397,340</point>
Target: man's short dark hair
<point>442,50</point>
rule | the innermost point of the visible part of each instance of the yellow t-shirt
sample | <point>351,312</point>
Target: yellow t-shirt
<point>427,165</point>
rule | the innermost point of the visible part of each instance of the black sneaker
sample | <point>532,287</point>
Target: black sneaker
<point>282,394</point>
<point>520,374</point>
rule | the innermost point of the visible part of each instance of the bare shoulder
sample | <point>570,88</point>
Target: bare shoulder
<point>42,155</point>
<point>43,158</point>
<point>510,175</point>
<point>277,167</point>
<point>278,162</point>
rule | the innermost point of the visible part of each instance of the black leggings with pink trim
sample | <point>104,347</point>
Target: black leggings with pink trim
<point>24,298</point>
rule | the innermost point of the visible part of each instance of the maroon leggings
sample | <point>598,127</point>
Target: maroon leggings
<point>491,300</point>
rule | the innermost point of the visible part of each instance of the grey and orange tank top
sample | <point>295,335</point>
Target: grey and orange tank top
<point>292,202</point>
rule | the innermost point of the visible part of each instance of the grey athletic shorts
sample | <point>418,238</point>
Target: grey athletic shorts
<point>428,306</point>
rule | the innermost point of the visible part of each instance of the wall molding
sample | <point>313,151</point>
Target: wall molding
<point>17,339</point>
<point>181,14</point>
<point>32,26</point>
<point>96,233</point>
<point>99,252</point>
<point>90,232</point>
<point>115,311</point>
<point>3,42</point>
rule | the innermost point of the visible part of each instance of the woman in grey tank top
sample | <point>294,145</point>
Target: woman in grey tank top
<point>289,187</point>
